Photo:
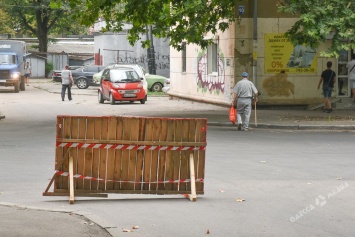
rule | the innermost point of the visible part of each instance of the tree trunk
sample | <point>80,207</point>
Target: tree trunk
<point>42,30</point>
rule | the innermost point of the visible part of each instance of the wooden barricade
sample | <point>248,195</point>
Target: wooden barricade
<point>96,156</point>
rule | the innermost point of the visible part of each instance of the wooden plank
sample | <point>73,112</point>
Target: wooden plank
<point>71,180</point>
<point>125,153</point>
<point>177,154</point>
<point>149,129</point>
<point>58,151</point>
<point>133,153</point>
<point>169,159</point>
<point>140,155</point>
<point>155,154</point>
<point>192,195</point>
<point>78,192</point>
<point>111,158</point>
<point>96,154</point>
<point>184,155</point>
<point>201,128</point>
<point>117,172</point>
<point>89,152</point>
<point>138,143</point>
<point>103,154</point>
<point>191,138</point>
<point>67,151</point>
<point>81,151</point>
<point>162,154</point>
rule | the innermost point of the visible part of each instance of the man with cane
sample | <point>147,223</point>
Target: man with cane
<point>243,93</point>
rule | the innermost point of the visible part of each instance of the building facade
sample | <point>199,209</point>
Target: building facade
<point>283,73</point>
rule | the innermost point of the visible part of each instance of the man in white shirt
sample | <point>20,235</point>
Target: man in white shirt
<point>351,67</point>
<point>67,82</point>
<point>243,92</point>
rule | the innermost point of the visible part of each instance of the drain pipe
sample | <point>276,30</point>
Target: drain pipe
<point>255,41</point>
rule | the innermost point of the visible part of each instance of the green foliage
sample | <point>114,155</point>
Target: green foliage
<point>178,20</point>
<point>318,20</point>
<point>48,68</point>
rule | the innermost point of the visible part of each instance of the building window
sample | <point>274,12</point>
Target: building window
<point>212,58</point>
<point>183,56</point>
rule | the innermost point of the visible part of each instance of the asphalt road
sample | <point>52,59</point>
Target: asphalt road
<point>293,183</point>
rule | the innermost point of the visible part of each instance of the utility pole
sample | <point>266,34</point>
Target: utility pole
<point>150,51</point>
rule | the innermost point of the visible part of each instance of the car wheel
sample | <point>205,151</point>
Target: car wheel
<point>82,83</point>
<point>143,101</point>
<point>17,87</point>
<point>156,87</point>
<point>112,100</point>
<point>100,97</point>
<point>22,84</point>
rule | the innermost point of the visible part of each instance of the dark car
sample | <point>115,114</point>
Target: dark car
<point>57,74</point>
<point>83,77</point>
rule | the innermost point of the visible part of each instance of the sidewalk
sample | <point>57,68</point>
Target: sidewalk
<point>288,118</point>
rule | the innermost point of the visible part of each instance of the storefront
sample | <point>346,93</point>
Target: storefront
<point>283,73</point>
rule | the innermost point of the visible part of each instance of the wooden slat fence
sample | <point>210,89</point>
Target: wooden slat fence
<point>140,155</point>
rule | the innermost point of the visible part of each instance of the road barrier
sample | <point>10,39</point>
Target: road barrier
<point>97,156</point>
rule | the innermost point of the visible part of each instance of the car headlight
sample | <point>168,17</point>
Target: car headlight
<point>140,85</point>
<point>15,75</point>
<point>115,85</point>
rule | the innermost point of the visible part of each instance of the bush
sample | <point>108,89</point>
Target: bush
<point>49,68</point>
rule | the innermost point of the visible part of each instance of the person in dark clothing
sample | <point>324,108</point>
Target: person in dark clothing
<point>328,79</point>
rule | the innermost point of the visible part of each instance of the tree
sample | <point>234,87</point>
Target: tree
<point>319,20</point>
<point>177,20</point>
<point>35,16</point>
<point>5,24</point>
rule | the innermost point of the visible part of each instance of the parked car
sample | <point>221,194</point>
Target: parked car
<point>155,82</point>
<point>122,84</point>
<point>57,74</point>
<point>83,76</point>
<point>166,87</point>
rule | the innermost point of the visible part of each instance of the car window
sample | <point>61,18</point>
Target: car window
<point>92,69</point>
<point>124,76</point>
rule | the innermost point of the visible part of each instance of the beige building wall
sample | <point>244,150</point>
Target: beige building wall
<point>196,83</point>
<point>236,51</point>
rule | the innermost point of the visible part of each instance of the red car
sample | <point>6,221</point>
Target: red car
<point>122,84</point>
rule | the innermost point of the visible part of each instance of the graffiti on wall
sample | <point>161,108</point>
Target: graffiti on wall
<point>207,82</point>
<point>161,61</point>
<point>278,85</point>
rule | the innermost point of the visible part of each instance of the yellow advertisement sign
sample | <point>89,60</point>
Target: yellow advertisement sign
<point>281,55</point>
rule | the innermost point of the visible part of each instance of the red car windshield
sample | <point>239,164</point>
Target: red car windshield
<point>123,76</point>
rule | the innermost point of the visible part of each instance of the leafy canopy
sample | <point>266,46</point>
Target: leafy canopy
<point>177,20</point>
<point>320,19</point>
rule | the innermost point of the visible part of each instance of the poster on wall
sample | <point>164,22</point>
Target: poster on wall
<point>281,55</point>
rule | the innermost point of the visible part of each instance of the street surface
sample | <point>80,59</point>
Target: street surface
<point>263,182</point>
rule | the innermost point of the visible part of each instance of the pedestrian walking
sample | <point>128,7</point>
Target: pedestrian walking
<point>351,67</point>
<point>28,73</point>
<point>327,79</point>
<point>243,93</point>
<point>67,82</point>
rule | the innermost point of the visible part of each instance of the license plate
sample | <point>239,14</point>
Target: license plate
<point>2,80</point>
<point>129,95</point>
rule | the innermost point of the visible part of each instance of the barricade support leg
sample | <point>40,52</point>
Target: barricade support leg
<point>193,195</point>
<point>71,180</point>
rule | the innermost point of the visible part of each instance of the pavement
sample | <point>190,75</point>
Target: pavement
<point>77,224</point>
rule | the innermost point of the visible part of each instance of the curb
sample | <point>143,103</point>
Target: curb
<point>290,127</point>
<point>110,228</point>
